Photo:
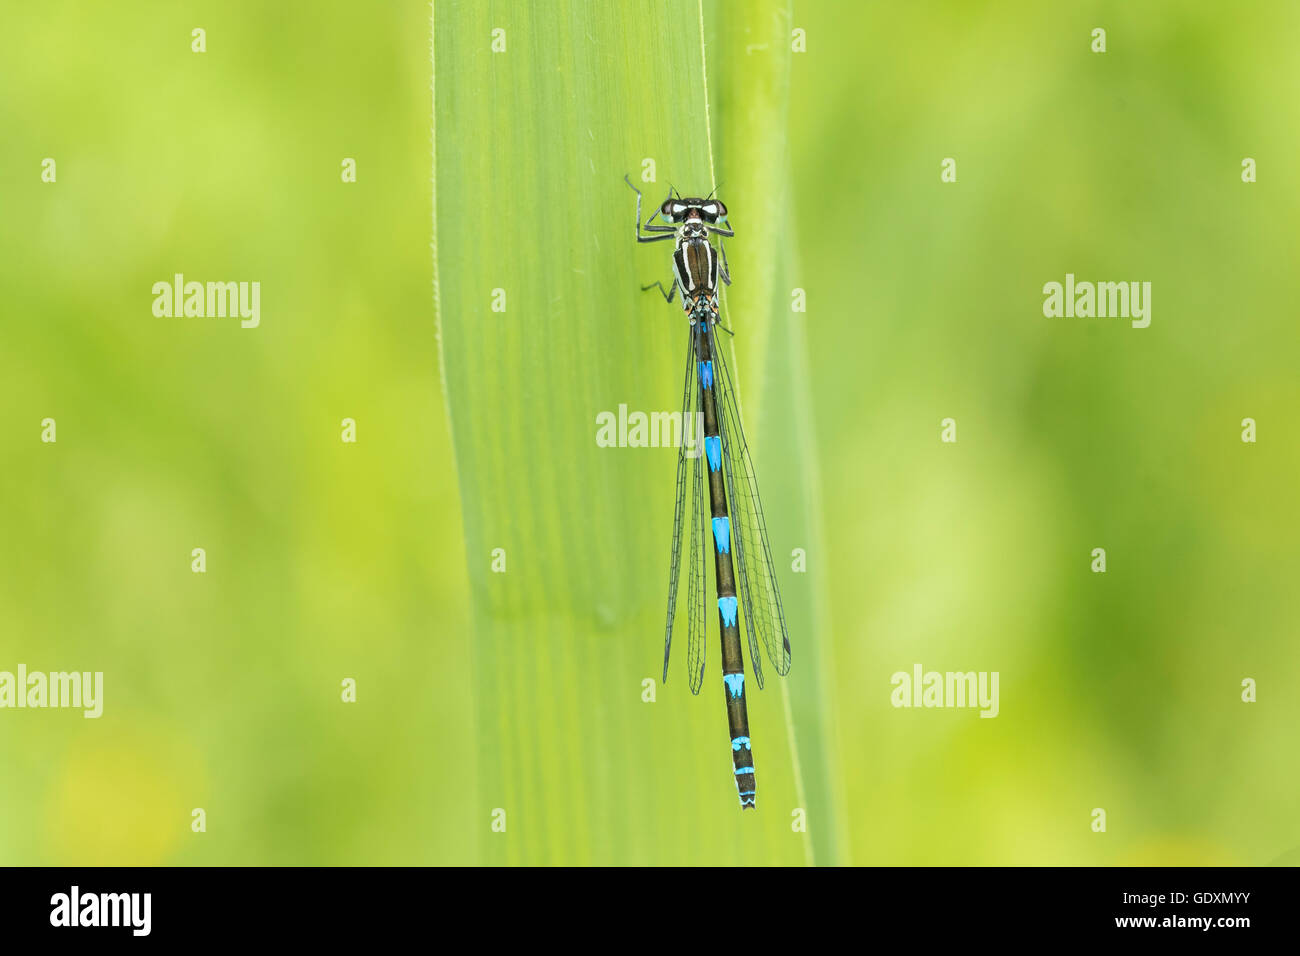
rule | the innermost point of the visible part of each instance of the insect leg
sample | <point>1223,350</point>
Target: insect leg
<point>668,296</point>
<point>668,232</point>
<point>725,270</point>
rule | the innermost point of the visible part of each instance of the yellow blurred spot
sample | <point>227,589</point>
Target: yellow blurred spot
<point>121,800</point>
<point>1176,851</point>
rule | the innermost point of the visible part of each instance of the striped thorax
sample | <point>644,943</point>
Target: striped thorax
<point>695,261</point>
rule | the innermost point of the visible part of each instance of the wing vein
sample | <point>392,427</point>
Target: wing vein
<point>761,595</point>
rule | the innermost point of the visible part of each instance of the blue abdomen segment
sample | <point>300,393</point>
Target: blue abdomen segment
<point>727,605</point>
<point>746,784</point>
<point>735,687</point>
<point>706,374</point>
<point>722,535</point>
<point>713,451</point>
<point>738,742</point>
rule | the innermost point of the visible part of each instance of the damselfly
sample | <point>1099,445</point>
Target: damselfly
<point>746,588</point>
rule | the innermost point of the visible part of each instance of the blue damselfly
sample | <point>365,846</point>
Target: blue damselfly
<point>732,519</point>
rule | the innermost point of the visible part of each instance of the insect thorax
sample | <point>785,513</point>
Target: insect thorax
<point>695,267</point>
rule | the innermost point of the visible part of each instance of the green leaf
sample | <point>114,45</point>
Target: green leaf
<point>532,216</point>
<point>749,60</point>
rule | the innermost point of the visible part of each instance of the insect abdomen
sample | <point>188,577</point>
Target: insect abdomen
<point>733,662</point>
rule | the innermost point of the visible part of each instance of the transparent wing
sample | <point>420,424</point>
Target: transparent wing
<point>755,570</point>
<point>695,566</point>
<point>699,569</point>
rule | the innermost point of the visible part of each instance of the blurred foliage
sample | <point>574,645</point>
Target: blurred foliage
<point>1121,690</point>
<point>324,560</point>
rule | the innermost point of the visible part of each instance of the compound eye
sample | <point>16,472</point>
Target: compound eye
<point>674,210</point>
<point>714,210</point>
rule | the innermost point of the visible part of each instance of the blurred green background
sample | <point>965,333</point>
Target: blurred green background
<point>523,691</point>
